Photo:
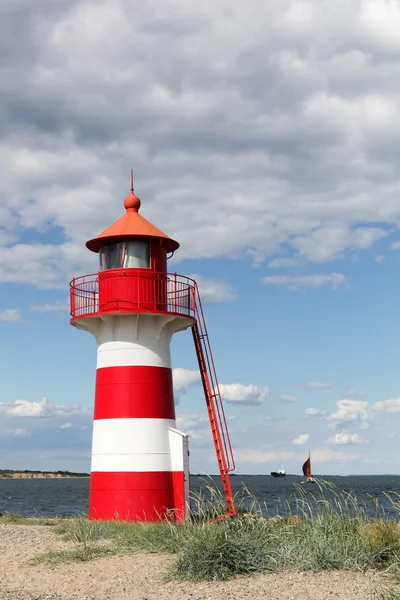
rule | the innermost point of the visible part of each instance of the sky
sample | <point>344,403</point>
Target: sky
<point>265,138</point>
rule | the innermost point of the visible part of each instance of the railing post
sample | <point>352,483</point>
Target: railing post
<point>71,299</point>
<point>175,304</point>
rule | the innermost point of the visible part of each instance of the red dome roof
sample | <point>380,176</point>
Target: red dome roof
<point>131,225</point>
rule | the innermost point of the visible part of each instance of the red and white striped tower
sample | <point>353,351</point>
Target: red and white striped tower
<point>132,306</point>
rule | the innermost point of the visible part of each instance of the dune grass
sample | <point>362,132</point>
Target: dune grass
<point>328,530</point>
<point>17,519</point>
<point>240,546</point>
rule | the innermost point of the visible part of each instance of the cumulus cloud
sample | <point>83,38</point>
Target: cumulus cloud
<point>288,398</point>
<point>301,439</point>
<point>280,263</point>
<point>19,432</point>
<point>250,456</point>
<point>344,438</point>
<point>30,435</point>
<point>212,290</point>
<point>237,393</point>
<point>56,307</point>
<point>12,315</point>
<point>298,282</point>
<point>329,241</point>
<point>25,408</point>
<point>283,149</point>
<point>348,411</point>
<point>46,266</point>
<point>317,385</point>
<point>183,379</point>
<point>195,424</point>
<point>391,406</point>
<point>354,394</point>
<point>314,412</point>
<point>327,455</point>
<point>40,409</point>
<point>242,157</point>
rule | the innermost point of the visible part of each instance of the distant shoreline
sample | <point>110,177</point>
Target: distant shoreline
<point>31,474</point>
<point>28,474</point>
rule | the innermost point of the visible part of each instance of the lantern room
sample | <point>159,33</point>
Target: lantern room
<point>132,274</point>
<point>132,242</point>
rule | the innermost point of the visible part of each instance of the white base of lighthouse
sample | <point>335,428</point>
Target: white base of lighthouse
<point>140,468</point>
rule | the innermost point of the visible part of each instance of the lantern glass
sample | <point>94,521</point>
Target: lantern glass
<point>125,255</point>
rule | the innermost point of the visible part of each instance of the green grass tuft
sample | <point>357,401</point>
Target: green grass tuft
<point>241,546</point>
<point>82,553</point>
<point>81,530</point>
<point>16,519</point>
<point>389,595</point>
<point>223,550</point>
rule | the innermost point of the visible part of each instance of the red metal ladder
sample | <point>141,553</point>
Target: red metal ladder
<point>215,408</point>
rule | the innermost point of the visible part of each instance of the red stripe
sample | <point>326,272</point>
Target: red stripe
<point>134,392</point>
<point>135,496</point>
<point>178,478</point>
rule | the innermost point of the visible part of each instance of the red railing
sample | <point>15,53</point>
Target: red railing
<point>155,292</point>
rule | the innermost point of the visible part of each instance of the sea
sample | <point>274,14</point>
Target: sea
<point>376,495</point>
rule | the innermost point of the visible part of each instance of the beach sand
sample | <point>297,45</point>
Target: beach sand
<point>142,577</point>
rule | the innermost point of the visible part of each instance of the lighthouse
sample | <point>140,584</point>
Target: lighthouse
<point>133,307</point>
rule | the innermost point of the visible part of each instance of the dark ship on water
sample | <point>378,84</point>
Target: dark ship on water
<point>280,473</point>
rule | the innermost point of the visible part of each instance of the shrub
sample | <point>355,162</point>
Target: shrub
<point>225,549</point>
<point>382,538</point>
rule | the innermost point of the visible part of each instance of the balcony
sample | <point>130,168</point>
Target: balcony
<point>124,291</point>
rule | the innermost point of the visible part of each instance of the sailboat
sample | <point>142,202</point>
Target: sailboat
<point>307,470</point>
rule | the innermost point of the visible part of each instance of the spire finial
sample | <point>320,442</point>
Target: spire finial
<point>132,202</point>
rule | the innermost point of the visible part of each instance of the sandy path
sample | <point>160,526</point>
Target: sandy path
<point>141,577</point>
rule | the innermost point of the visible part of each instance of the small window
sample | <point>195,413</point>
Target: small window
<point>137,255</point>
<point>111,256</point>
<point>125,255</point>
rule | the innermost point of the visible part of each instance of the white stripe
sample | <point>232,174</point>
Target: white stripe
<point>130,341</point>
<point>131,445</point>
<point>131,463</point>
<point>131,354</point>
<point>135,339</point>
<point>142,330</point>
